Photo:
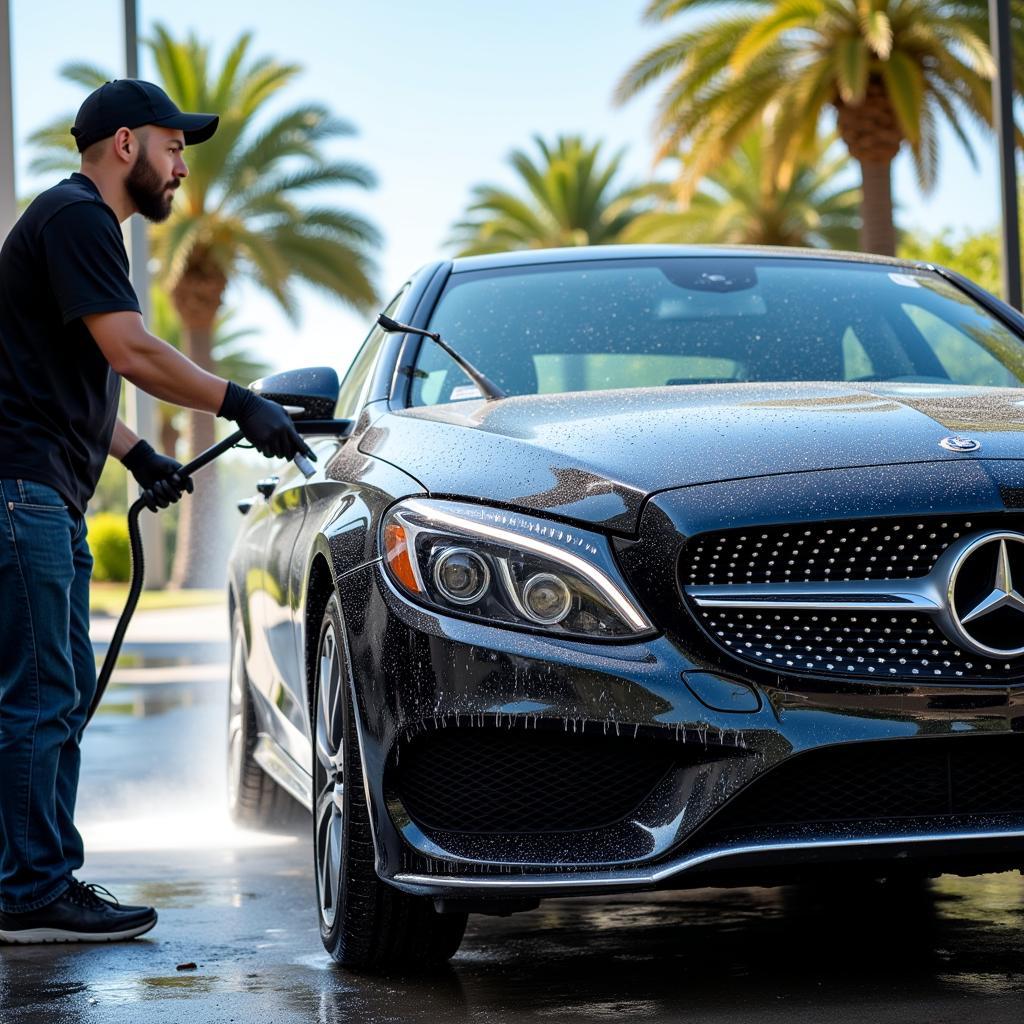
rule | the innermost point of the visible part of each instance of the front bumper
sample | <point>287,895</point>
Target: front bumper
<point>419,675</point>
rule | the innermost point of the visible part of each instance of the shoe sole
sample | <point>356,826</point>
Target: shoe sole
<point>35,936</point>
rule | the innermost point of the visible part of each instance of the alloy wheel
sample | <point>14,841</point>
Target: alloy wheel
<point>329,774</point>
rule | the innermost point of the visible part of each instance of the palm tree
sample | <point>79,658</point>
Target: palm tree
<point>742,201</point>
<point>239,214</point>
<point>890,69</point>
<point>571,199</point>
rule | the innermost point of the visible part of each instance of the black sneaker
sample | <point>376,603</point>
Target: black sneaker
<point>77,915</point>
<point>107,896</point>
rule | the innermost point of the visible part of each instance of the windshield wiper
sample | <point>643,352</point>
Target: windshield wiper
<point>488,388</point>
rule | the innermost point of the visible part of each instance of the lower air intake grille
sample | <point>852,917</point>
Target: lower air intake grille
<point>484,781</point>
<point>886,781</point>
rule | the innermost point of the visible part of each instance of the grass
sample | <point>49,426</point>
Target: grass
<point>109,598</point>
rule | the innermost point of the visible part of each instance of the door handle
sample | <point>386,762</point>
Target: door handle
<point>266,485</point>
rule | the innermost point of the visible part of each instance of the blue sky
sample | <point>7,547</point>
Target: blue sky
<point>440,93</point>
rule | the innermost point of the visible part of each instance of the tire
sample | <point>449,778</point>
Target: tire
<point>364,922</point>
<point>255,800</point>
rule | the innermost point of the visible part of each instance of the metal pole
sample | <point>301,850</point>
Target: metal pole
<point>8,198</point>
<point>1002,120</point>
<point>142,416</point>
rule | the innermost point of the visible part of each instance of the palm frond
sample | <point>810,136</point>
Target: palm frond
<point>59,163</point>
<point>904,82</point>
<point>569,196</point>
<point>90,76</point>
<point>784,16</point>
<point>799,57</point>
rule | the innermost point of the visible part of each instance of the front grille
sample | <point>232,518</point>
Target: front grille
<point>904,644</point>
<point>861,549</point>
<point>892,780</point>
<point>484,781</point>
<point>849,643</point>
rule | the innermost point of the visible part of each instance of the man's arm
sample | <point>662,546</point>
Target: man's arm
<point>123,441</point>
<point>153,365</point>
<point>162,371</point>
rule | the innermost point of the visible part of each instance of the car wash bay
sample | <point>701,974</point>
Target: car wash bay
<point>237,937</point>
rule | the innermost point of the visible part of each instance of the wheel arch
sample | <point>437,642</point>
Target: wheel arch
<point>319,588</point>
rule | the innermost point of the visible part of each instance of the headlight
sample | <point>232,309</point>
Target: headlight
<point>509,569</point>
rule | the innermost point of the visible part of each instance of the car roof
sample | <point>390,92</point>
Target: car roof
<point>583,253</point>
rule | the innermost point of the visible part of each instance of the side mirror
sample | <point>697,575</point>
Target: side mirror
<point>313,389</point>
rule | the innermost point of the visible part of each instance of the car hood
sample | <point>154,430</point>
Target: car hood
<point>595,456</point>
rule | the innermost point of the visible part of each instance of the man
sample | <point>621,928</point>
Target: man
<point>70,328</point>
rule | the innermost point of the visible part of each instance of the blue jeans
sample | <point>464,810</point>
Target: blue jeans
<point>47,681</point>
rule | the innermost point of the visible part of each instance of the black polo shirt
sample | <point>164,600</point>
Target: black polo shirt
<point>64,258</point>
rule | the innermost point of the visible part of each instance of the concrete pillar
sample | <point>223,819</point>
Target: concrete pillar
<point>141,407</point>
<point>1002,121</point>
<point>8,196</point>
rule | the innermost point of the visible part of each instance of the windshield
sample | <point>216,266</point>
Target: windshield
<point>638,323</point>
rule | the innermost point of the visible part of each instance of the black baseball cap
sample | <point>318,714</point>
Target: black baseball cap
<point>129,103</point>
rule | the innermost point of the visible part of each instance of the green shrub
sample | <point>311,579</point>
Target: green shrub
<point>111,552</point>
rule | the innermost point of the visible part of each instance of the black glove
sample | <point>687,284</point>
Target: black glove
<point>264,423</point>
<point>158,475</point>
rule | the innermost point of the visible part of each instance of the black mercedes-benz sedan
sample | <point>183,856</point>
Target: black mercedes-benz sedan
<point>708,571</point>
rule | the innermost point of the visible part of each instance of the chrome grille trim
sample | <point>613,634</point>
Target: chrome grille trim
<point>916,595</point>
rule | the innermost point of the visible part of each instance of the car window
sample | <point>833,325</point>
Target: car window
<point>856,362</point>
<point>356,380</point>
<point>678,321</point>
<point>960,353</point>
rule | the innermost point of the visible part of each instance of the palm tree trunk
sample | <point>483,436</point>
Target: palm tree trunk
<point>873,136</point>
<point>200,557</point>
<point>168,437</point>
<point>201,550</point>
<point>878,232</point>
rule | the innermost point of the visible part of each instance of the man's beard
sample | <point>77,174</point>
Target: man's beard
<point>146,189</point>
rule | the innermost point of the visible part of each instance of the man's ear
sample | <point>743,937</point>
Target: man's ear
<point>125,144</point>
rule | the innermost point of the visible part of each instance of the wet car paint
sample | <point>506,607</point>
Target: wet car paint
<point>596,456</point>
<point>651,468</point>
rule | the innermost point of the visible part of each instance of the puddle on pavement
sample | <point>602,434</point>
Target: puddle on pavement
<point>998,895</point>
<point>314,961</point>
<point>167,895</point>
<point>134,659</point>
<point>184,985</point>
<point>144,700</point>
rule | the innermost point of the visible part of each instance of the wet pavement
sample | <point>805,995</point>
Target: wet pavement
<point>240,906</point>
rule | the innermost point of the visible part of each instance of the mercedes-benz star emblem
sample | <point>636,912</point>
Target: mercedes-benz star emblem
<point>986,608</point>
<point>959,444</point>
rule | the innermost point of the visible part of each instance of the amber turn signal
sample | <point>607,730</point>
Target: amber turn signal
<point>396,551</point>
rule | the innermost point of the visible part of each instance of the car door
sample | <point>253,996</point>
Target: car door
<point>286,511</point>
<point>249,552</point>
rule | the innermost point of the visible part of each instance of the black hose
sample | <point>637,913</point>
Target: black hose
<point>337,428</point>
<point>138,573</point>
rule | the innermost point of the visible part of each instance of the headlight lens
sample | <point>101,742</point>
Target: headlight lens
<point>509,569</point>
<point>461,575</point>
